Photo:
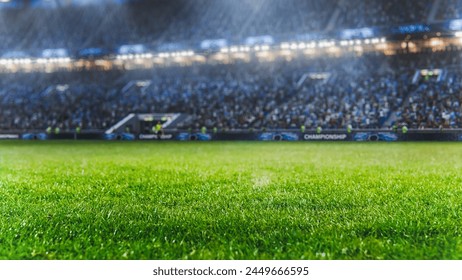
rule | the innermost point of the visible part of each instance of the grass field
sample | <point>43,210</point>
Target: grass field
<point>112,200</point>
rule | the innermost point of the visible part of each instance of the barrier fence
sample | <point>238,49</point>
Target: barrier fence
<point>329,136</point>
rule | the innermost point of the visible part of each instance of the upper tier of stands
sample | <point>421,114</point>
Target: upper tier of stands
<point>172,21</point>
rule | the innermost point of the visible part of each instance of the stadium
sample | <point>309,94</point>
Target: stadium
<point>222,129</point>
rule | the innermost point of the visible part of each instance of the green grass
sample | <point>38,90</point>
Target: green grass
<point>112,200</point>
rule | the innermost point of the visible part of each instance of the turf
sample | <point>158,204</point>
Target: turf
<point>113,200</point>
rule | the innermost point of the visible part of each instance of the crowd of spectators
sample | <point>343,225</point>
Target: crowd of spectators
<point>330,92</point>
<point>435,104</point>
<point>355,99</point>
<point>435,95</point>
<point>31,101</point>
<point>226,96</point>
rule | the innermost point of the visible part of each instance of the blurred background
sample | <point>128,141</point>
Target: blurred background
<point>230,64</point>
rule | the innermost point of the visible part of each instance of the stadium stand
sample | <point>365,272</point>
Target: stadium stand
<point>236,96</point>
<point>450,9</point>
<point>358,13</point>
<point>111,25</point>
<point>368,91</point>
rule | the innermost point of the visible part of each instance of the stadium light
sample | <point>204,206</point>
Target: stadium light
<point>166,55</point>
<point>244,49</point>
<point>436,42</point>
<point>224,50</point>
<point>17,61</point>
<point>459,34</point>
<point>383,40</point>
<point>367,41</point>
<point>293,46</point>
<point>285,46</point>
<point>326,44</point>
<point>261,48</point>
